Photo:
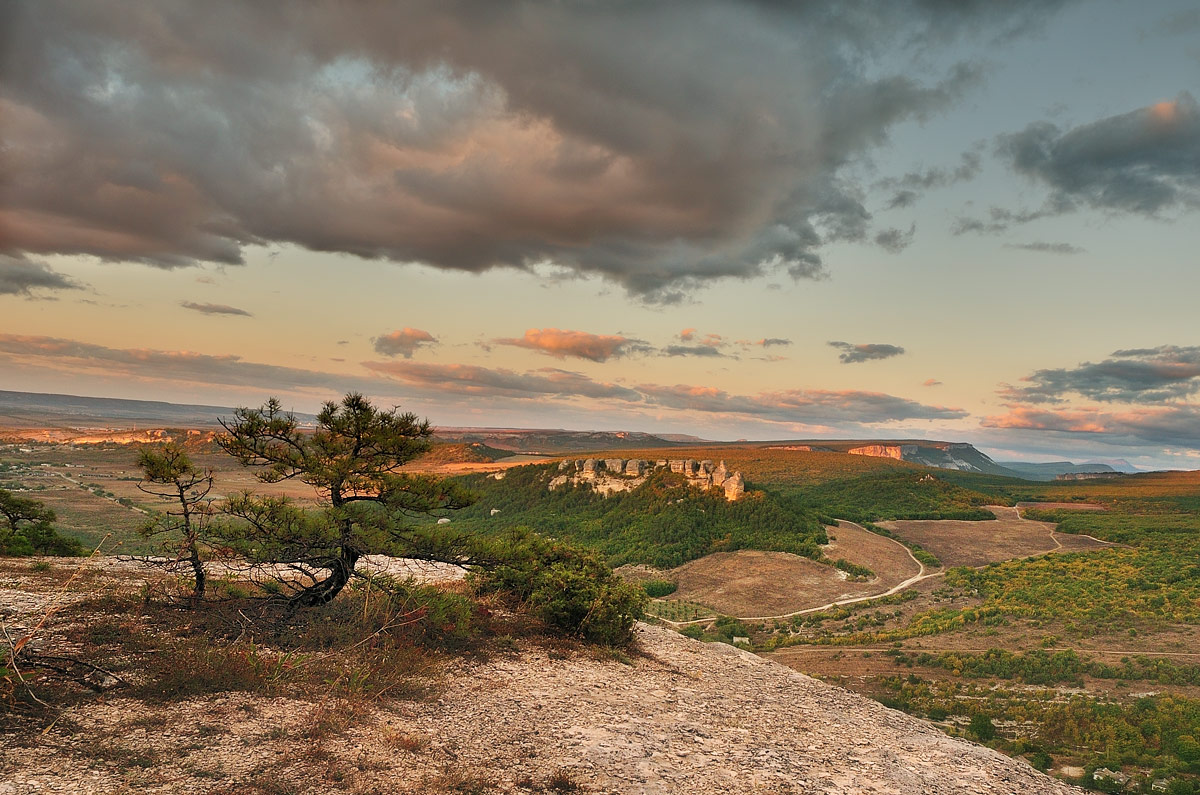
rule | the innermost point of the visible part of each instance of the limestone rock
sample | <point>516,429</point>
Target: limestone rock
<point>735,487</point>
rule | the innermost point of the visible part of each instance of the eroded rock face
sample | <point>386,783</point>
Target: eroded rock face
<point>610,475</point>
<point>680,718</point>
<point>734,487</point>
<point>896,451</point>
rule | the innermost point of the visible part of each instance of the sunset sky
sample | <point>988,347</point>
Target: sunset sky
<point>962,220</point>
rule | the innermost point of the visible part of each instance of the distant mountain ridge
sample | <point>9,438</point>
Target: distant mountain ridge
<point>31,409</point>
<point>1052,469</point>
<point>35,408</point>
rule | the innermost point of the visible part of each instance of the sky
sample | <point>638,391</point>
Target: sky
<point>958,220</point>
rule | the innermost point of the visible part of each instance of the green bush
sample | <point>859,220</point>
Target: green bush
<point>26,528</point>
<point>566,587</point>
<point>981,727</point>
<point>659,588</point>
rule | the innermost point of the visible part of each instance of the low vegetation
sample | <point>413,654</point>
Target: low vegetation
<point>663,522</point>
<point>27,528</point>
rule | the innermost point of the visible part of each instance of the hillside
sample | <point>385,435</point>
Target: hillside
<point>675,716</point>
<point>664,523</point>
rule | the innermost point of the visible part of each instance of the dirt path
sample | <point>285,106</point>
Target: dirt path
<point>113,500</point>
<point>1003,513</point>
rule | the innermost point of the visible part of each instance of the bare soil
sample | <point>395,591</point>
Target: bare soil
<point>961,543</point>
<point>750,582</point>
<point>890,561</point>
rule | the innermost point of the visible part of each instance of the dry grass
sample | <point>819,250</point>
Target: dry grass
<point>957,543</point>
<point>750,583</point>
<point>755,583</point>
<point>888,559</point>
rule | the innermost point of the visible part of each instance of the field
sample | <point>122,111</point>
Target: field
<point>751,583</point>
<point>957,543</point>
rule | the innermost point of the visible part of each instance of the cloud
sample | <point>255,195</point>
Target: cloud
<point>895,240</point>
<point>465,379</point>
<point>808,407</point>
<point>20,276</point>
<point>1048,248</point>
<point>404,342</point>
<point>769,341</point>
<point>214,309</point>
<point>1142,162</point>
<point>703,351</point>
<point>865,352</point>
<point>175,367</point>
<point>672,145</point>
<point>931,382</point>
<point>1137,396</point>
<point>561,343</point>
<point>708,346</point>
<point>1141,375</point>
<point>908,188</point>
<point>1171,426</point>
<point>443,384</point>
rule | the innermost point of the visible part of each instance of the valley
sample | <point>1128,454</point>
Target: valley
<point>1064,615</point>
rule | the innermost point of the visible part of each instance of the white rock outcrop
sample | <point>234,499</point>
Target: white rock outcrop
<point>610,475</point>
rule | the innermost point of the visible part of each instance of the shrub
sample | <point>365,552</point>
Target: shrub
<point>659,588</point>
<point>26,528</point>
<point>566,587</point>
<point>982,727</point>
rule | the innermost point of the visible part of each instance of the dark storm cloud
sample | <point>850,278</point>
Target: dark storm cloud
<point>1146,161</point>
<point>1142,375</point>
<point>865,352</point>
<point>659,145</point>
<point>20,276</point>
<point>214,309</point>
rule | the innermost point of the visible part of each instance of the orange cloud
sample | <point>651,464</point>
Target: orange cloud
<point>1034,419</point>
<point>561,343</point>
